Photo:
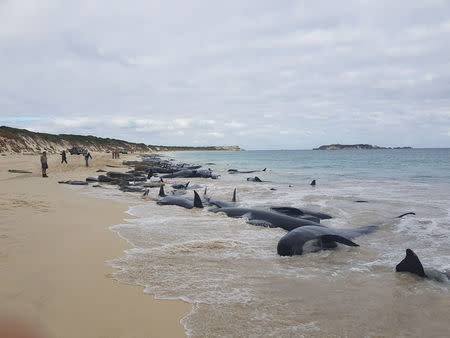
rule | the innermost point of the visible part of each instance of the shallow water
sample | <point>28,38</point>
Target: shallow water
<point>238,285</point>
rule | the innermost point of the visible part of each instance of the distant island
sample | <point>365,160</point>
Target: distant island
<point>22,140</point>
<point>354,146</point>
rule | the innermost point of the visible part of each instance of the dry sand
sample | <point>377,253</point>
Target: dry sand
<point>54,242</point>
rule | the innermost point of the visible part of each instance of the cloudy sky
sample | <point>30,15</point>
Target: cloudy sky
<point>259,74</point>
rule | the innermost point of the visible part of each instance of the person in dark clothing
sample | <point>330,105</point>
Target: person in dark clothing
<point>86,157</point>
<point>44,164</point>
<point>63,156</point>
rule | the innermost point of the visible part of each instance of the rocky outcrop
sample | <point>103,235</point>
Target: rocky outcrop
<point>354,146</point>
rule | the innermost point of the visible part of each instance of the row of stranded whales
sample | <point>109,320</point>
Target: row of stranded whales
<point>303,225</point>
<point>305,234</point>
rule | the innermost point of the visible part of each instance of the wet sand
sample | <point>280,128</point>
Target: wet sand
<point>54,244</point>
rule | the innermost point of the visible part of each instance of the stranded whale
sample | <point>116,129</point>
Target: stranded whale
<point>295,212</point>
<point>267,218</point>
<point>181,201</point>
<point>220,203</point>
<point>324,238</point>
<point>236,171</point>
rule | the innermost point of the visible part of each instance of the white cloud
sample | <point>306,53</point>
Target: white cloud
<point>216,134</point>
<point>235,125</point>
<point>254,73</point>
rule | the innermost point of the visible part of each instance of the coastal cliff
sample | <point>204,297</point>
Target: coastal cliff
<point>354,146</point>
<point>15,140</point>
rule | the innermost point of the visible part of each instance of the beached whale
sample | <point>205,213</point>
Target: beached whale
<point>180,185</point>
<point>73,182</point>
<point>188,173</point>
<point>295,212</point>
<point>267,218</point>
<point>236,171</point>
<point>19,171</point>
<point>293,243</point>
<point>412,264</point>
<point>220,203</point>
<point>184,202</point>
<point>254,179</point>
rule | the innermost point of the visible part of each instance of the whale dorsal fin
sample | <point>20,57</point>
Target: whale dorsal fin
<point>185,187</point>
<point>408,213</point>
<point>161,191</point>
<point>411,263</point>
<point>204,193</point>
<point>197,201</point>
<point>234,196</point>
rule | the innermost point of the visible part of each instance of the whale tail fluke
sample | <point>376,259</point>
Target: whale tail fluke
<point>411,263</point>
<point>408,213</point>
<point>146,191</point>
<point>197,200</point>
<point>161,192</point>
<point>234,196</point>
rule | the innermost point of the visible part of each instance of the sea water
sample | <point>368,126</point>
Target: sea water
<point>239,287</point>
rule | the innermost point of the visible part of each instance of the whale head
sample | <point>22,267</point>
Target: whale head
<point>411,263</point>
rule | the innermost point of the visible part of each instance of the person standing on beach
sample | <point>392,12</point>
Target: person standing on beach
<point>86,157</point>
<point>63,157</point>
<point>44,164</point>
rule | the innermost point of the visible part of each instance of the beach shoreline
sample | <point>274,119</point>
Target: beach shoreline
<point>55,245</point>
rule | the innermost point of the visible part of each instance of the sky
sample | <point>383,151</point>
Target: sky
<point>258,74</point>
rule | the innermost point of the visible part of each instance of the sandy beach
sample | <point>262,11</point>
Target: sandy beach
<point>54,245</point>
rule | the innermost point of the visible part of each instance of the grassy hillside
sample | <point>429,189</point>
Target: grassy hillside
<point>19,140</point>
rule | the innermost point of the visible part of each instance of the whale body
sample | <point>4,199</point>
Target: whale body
<point>325,238</point>
<point>267,218</point>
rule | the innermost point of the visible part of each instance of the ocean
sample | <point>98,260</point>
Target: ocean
<point>240,287</point>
